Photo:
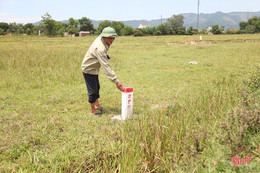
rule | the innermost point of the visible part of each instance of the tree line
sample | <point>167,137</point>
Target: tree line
<point>173,26</point>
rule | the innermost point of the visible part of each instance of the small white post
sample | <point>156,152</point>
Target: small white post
<point>200,37</point>
<point>127,104</point>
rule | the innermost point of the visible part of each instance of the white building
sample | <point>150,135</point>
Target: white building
<point>144,25</point>
<point>209,28</point>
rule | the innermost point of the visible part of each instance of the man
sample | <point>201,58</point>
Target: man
<point>95,58</point>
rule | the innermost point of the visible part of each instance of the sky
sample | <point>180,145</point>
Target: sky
<point>30,11</point>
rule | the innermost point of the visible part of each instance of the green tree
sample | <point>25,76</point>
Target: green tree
<point>15,28</point>
<point>257,26</point>
<point>215,29</point>
<point>128,30</point>
<point>161,29</point>
<point>148,31</point>
<point>181,30</point>
<point>179,20</point>
<point>49,24</point>
<point>204,31</point>
<point>72,26</point>
<point>229,31</point>
<point>243,25</point>
<point>102,25</point>
<point>28,25</point>
<point>86,25</point>
<point>252,20</point>
<point>157,32</point>
<point>38,28</point>
<point>250,29</point>
<point>138,32</point>
<point>4,27</point>
<point>28,31</point>
<point>255,23</point>
<point>175,25</point>
<point>195,31</point>
<point>20,29</point>
<point>12,28</point>
<point>189,31</point>
<point>2,31</point>
<point>251,26</point>
<point>72,30</point>
<point>118,26</point>
<point>60,28</point>
<point>28,28</point>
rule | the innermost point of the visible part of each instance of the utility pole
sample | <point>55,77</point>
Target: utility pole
<point>161,24</point>
<point>198,14</point>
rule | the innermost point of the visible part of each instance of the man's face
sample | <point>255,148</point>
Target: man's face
<point>109,40</point>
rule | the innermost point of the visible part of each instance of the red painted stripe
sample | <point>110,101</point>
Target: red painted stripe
<point>128,89</point>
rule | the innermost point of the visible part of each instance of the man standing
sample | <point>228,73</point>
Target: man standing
<point>95,58</point>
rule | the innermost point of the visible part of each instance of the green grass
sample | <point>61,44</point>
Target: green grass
<point>188,118</point>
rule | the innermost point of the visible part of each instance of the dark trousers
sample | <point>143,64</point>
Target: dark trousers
<point>93,87</point>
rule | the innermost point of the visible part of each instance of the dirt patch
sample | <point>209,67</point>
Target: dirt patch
<point>193,42</point>
<point>160,106</point>
<point>170,43</point>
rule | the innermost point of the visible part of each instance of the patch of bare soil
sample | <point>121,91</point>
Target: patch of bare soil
<point>160,106</point>
<point>193,42</point>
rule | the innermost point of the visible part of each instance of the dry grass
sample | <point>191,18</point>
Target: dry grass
<point>189,118</point>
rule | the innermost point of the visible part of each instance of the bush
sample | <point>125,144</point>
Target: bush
<point>232,32</point>
<point>250,29</point>
<point>158,32</point>
<point>203,32</point>
<point>215,29</point>
<point>2,31</point>
<point>138,33</point>
<point>128,30</point>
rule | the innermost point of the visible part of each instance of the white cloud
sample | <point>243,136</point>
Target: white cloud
<point>5,17</point>
<point>7,2</point>
<point>24,20</point>
<point>3,14</point>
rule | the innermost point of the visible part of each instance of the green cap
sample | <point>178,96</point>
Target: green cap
<point>108,32</point>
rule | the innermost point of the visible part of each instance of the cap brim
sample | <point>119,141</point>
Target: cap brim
<point>108,35</point>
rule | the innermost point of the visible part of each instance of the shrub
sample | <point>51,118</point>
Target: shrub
<point>2,32</point>
<point>138,32</point>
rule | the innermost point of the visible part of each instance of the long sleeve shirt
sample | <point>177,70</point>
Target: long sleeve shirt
<point>96,57</point>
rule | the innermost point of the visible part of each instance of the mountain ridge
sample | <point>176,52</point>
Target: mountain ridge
<point>227,20</point>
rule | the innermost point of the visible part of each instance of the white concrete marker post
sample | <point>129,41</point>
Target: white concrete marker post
<point>127,104</point>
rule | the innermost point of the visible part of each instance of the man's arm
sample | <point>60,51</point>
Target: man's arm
<point>119,86</point>
<point>104,62</point>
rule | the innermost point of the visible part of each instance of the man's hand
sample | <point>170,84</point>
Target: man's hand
<point>119,85</point>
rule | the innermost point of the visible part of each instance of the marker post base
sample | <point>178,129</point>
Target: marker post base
<point>127,104</point>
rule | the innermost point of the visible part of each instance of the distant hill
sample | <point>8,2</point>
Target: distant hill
<point>228,20</point>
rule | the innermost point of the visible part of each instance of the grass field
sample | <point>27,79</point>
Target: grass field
<point>188,118</point>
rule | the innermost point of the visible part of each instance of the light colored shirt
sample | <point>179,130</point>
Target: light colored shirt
<point>96,57</point>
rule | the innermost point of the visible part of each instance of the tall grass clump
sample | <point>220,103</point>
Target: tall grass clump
<point>187,118</point>
<point>200,134</point>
